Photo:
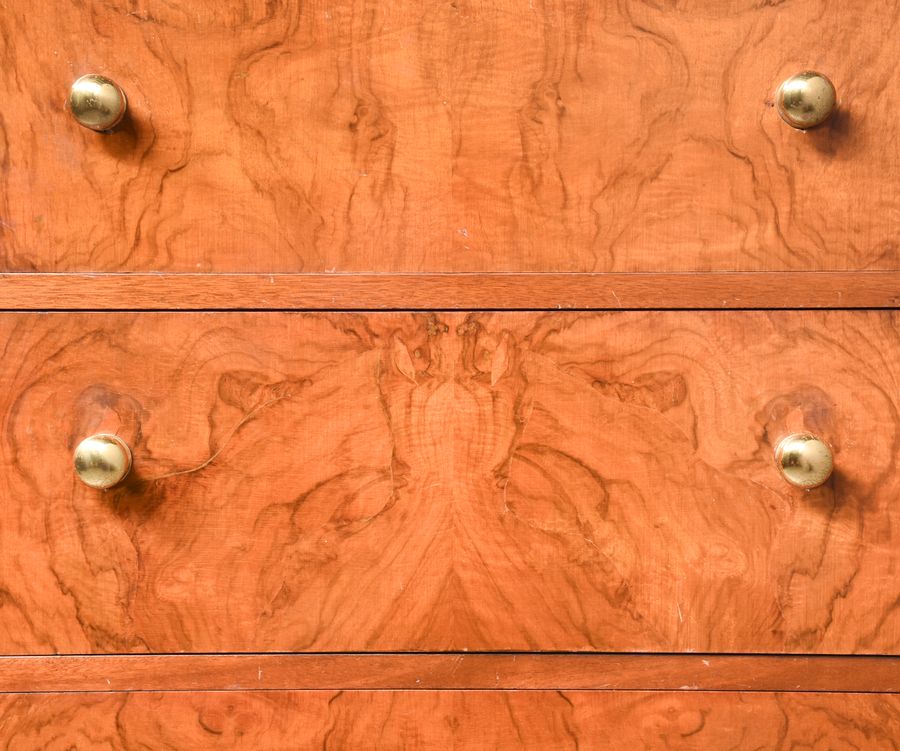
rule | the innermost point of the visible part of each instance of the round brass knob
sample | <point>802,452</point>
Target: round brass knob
<point>97,103</point>
<point>806,100</point>
<point>102,461</point>
<point>804,460</point>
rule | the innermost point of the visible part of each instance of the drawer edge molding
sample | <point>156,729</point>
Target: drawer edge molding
<point>451,291</point>
<point>450,671</point>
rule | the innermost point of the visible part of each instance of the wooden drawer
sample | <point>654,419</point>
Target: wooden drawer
<point>439,720</point>
<point>450,481</point>
<point>413,136</point>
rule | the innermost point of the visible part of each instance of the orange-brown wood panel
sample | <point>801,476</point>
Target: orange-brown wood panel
<point>423,672</point>
<point>451,481</point>
<point>493,721</point>
<point>627,291</point>
<point>353,135</point>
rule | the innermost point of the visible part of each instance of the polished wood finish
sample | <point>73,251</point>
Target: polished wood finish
<point>421,672</point>
<point>409,136</point>
<point>596,489</point>
<point>875,289</point>
<point>344,482</point>
<point>493,721</point>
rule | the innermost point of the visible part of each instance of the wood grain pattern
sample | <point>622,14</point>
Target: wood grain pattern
<point>426,672</point>
<point>393,482</point>
<point>347,135</point>
<point>449,720</point>
<point>135,291</point>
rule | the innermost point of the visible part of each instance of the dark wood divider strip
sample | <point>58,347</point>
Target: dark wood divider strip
<point>613,291</point>
<point>238,672</point>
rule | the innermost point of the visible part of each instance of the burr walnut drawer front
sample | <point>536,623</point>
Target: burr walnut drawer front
<point>449,481</point>
<point>413,136</point>
<point>441,720</point>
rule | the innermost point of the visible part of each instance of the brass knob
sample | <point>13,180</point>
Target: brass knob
<point>806,100</point>
<point>102,461</point>
<point>804,460</point>
<point>97,103</point>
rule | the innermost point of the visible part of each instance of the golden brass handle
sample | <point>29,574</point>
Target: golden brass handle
<point>804,460</point>
<point>97,103</point>
<point>806,100</point>
<point>102,460</point>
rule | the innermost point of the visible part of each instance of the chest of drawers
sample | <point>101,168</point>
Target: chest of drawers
<point>468,375</point>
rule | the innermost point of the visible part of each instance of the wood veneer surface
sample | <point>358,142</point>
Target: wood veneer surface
<point>414,136</point>
<point>140,291</point>
<point>518,481</point>
<point>423,672</point>
<point>449,720</point>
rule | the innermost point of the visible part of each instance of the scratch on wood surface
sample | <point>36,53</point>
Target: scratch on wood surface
<point>243,421</point>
